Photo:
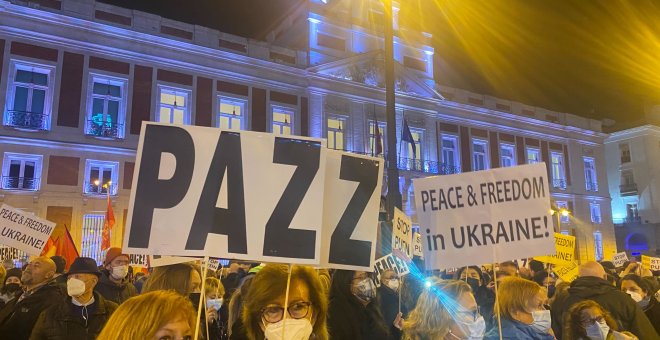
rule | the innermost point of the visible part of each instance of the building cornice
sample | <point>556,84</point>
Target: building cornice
<point>639,131</point>
<point>52,144</point>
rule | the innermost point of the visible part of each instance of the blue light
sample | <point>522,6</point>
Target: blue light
<point>314,21</point>
<point>427,283</point>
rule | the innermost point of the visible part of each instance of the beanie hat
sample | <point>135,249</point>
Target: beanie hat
<point>112,254</point>
<point>86,265</point>
<point>15,272</point>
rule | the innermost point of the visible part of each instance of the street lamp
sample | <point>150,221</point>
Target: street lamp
<point>559,213</point>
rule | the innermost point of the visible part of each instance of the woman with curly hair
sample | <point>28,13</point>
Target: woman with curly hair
<point>587,320</point>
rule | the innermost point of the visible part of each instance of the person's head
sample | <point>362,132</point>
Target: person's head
<point>13,276</point>
<point>471,272</point>
<point>447,307</point>
<point>82,277</point>
<point>60,264</point>
<point>326,279</point>
<point>592,269</point>
<point>161,315</point>
<point>39,270</point>
<point>636,287</point>
<point>608,266</point>
<point>587,320</point>
<point>510,267</point>
<point>214,292</point>
<point>523,300</point>
<point>390,279</point>
<point>353,286</point>
<point>411,288</point>
<point>536,266</point>
<point>184,278</point>
<point>116,263</point>
<point>233,267</point>
<point>264,304</point>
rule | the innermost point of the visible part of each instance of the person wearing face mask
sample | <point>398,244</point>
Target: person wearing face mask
<point>485,297</point>
<point>587,320</point>
<point>546,280</point>
<point>11,287</point>
<point>446,310</point>
<point>640,290</point>
<point>522,312</point>
<point>84,313</point>
<point>388,293</point>
<point>114,284</point>
<point>264,314</point>
<point>354,311</point>
<point>216,312</point>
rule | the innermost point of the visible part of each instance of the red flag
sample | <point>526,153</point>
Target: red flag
<point>63,246</point>
<point>108,223</point>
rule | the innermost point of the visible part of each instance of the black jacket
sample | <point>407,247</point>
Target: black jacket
<point>114,292</point>
<point>389,307</point>
<point>619,304</point>
<point>60,322</point>
<point>18,318</point>
<point>653,313</point>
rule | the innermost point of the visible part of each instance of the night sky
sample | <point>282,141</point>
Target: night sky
<point>599,59</point>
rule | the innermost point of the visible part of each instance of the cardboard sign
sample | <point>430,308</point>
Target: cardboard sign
<point>137,260</point>
<point>213,264</point>
<point>619,259</point>
<point>402,233</point>
<point>159,261</point>
<point>23,231</point>
<point>9,253</point>
<point>390,262</point>
<point>485,216</point>
<point>650,263</point>
<point>417,245</point>
<point>565,250</point>
<point>567,272</point>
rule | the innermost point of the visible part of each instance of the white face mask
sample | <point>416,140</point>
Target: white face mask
<point>75,287</point>
<point>296,329</point>
<point>598,331</point>
<point>393,284</point>
<point>119,272</point>
<point>475,329</point>
<point>542,321</point>
<point>634,295</point>
<point>214,303</point>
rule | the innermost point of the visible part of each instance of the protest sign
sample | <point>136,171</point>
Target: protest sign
<point>392,262</point>
<point>567,271</point>
<point>159,261</point>
<point>619,259</point>
<point>9,253</point>
<point>417,245</point>
<point>402,232</point>
<point>565,250</point>
<point>350,212</point>
<point>24,231</point>
<point>650,263</point>
<point>137,260</point>
<point>485,216</point>
<point>214,264</point>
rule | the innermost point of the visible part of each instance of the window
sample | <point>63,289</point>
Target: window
<point>591,181</point>
<point>564,232</point>
<point>412,159</point>
<point>563,205</point>
<point>376,144</point>
<point>91,237</point>
<point>231,113</point>
<point>507,155</point>
<point>533,155</point>
<point>558,175</point>
<point>21,171</point>
<point>101,176</point>
<point>106,107</point>
<point>174,106</point>
<point>336,136</point>
<point>632,213</point>
<point>450,153</point>
<point>598,245</point>
<point>479,155</point>
<point>282,120</point>
<point>625,153</point>
<point>29,96</point>
<point>595,212</point>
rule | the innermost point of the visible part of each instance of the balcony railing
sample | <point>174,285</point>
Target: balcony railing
<point>101,189</point>
<point>418,165</point>
<point>27,120</point>
<point>592,186</point>
<point>20,183</point>
<point>103,129</point>
<point>633,219</point>
<point>629,189</point>
<point>559,184</point>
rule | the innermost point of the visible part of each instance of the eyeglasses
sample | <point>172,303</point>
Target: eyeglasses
<point>298,310</point>
<point>589,321</point>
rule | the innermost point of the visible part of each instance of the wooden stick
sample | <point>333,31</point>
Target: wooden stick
<point>201,298</point>
<point>497,302</point>
<point>286,299</point>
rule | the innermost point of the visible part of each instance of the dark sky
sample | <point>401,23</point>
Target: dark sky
<point>599,59</point>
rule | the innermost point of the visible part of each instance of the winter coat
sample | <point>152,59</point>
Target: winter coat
<point>512,329</point>
<point>17,318</point>
<point>60,322</point>
<point>619,304</point>
<point>652,312</point>
<point>358,323</point>
<point>389,307</point>
<point>116,293</point>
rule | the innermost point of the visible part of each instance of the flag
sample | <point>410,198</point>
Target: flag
<point>407,136</point>
<point>108,223</point>
<point>379,143</point>
<point>61,245</point>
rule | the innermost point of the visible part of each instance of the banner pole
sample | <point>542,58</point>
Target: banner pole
<point>286,299</point>
<point>201,298</point>
<point>497,302</point>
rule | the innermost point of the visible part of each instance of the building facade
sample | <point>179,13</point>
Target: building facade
<point>78,78</point>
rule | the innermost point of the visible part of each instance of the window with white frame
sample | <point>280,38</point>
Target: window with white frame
<point>590,179</point>
<point>507,155</point>
<point>557,167</point>
<point>282,120</point>
<point>231,113</point>
<point>173,105</point>
<point>595,212</point>
<point>101,177</point>
<point>625,153</point>
<point>479,155</point>
<point>376,145</point>
<point>92,229</point>
<point>29,95</point>
<point>106,106</point>
<point>417,135</point>
<point>533,155</point>
<point>598,245</point>
<point>563,205</point>
<point>21,171</point>
<point>450,153</point>
<point>336,132</point>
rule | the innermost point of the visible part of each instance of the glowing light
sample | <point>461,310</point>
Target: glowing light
<point>314,21</point>
<point>564,213</point>
<point>427,283</point>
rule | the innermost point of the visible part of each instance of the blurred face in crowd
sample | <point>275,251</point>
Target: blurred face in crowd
<point>300,306</point>
<point>90,280</point>
<point>174,330</point>
<point>390,279</point>
<point>470,273</point>
<point>509,269</point>
<point>534,304</point>
<point>195,282</point>
<point>590,316</point>
<point>631,286</point>
<point>549,281</point>
<point>38,271</point>
<point>118,267</point>
<point>468,311</point>
<point>13,279</point>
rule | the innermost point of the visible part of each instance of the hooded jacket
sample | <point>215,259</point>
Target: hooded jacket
<point>623,309</point>
<point>116,293</point>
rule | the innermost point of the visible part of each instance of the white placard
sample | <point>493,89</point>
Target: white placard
<point>619,259</point>
<point>9,253</point>
<point>392,262</point>
<point>214,264</point>
<point>159,261</point>
<point>24,231</point>
<point>402,233</point>
<point>418,249</point>
<point>137,260</point>
<point>485,216</point>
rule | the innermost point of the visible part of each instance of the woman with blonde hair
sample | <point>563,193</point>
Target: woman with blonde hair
<point>184,278</point>
<point>216,311</point>
<point>445,310</point>
<point>155,315</point>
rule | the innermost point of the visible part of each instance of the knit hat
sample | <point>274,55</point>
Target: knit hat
<point>112,254</point>
<point>15,272</point>
<point>86,265</point>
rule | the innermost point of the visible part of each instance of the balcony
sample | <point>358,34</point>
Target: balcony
<point>559,184</point>
<point>103,129</point>
<point>99,189</point>
<point>592,186</point>
<point>628,189</point>
<point>418,165</point>
<point>20,183</point>
<point>24,120</point>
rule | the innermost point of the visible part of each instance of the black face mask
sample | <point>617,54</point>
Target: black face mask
<point>474,284</point>
<point>194,298</point>
<point>551,291</point>
<point>11,287</point>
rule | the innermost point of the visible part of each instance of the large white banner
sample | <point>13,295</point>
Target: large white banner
<point>485,216</point>
<point>23,231</point>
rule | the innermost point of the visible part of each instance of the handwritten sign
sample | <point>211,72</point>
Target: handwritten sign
<point>417,245</point>
<point>23,231</point>
<point>390,262</point>
<point>650,263</point>
<point>619,259</point>
<point>402,233</point>
<point>565,250</point>
<point>567,272</point>
<point>137,260</point>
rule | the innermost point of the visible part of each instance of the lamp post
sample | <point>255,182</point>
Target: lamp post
<point>393,194</point>
<point>559,213</point>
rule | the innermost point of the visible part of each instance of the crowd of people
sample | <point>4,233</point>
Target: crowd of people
<point>275,301</point>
